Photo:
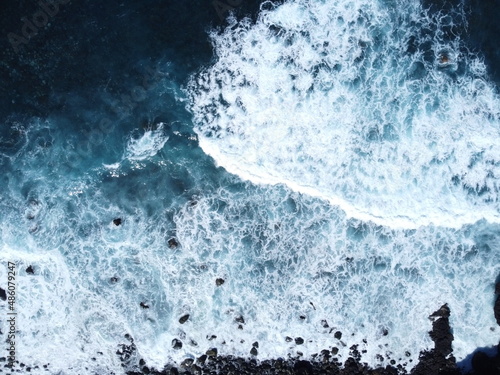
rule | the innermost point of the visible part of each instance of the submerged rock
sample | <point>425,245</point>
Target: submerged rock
<point>212,352</point>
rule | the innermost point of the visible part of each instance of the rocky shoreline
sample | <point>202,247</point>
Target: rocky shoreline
<point>437,361</point>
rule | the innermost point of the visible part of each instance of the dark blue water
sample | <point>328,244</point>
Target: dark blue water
<point>329,161</point>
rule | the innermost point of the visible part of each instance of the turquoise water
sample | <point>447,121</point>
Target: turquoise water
<point>332,161</point>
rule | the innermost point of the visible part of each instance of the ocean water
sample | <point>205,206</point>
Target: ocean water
<point>336,162</point>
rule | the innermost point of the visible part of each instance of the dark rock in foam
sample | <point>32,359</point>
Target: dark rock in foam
<point>172,243</point>
<point>299,340</point>
<point>176,344</point>
<point>438,361</point>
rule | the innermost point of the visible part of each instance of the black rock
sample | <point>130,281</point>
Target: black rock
<point>144,306</point>
<point>176,344</point>
<point>117,221</point>
<point>254,351</point>
<point>172,243</point>
<point>439,360</point>
<point>30,270</point>
<point>299,340</point>
<point>188,362</point>
<point>219,282</point>
<point>441,331</point>
<point>255,344</point>
<point>338,335</point>
<point>183,319</point>
<point>496,309</point>
<point>240,319</point>
<point>324,323</point>
<point>126,352</point>
<point>3,295</point>
<point>114,280</point>
<point>303,368</point>
<point>288,339</point>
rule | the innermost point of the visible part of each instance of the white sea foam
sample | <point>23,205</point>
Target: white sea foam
<point>298,256</point>
<point>147,145</point>
<point>365,104</point>
<point>365,121</point>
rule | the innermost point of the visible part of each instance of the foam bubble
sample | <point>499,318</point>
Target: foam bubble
<point>370,106</point>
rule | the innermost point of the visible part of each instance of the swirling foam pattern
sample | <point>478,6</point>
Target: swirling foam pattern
<point>375,106</point>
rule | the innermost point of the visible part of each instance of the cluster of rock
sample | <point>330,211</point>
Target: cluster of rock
<point>437,361</point>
